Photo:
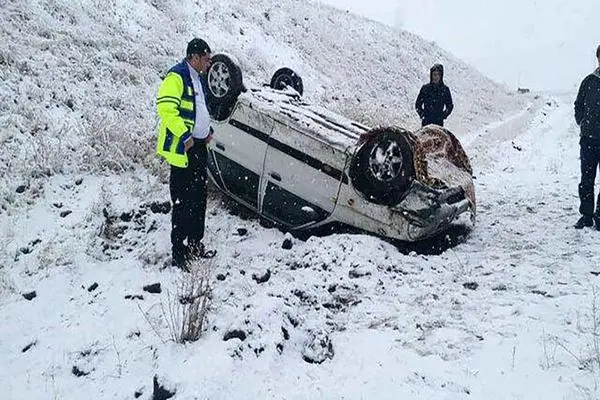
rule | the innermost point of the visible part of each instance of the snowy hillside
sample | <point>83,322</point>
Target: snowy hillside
<point>78,78</point>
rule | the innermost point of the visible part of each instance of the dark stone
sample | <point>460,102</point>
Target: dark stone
<point>235,334</point>
<point>542,293</point>
<point>134,297</point>
<point>93,287</point>
<point>293,321</point>
<point>25,250</point>
<point>332,306</point>
<point>77,372</point>
<point>471,285</point>
<point>21,188</point>
<point>30,296</point>
<point>79,181</point>
<point>126,216</point>
<point>70,104</point>
<point>154,288</point>
<point>159,392</point>
<point>160,208</point>
<point>279,348</point>
<point>65,213</point>
<point>220,277</point>
<point>29,346</point>
<point>58,205</point>
<point>301,294</point>
<point>318,348</point>
<point>287,244</point>
<point>35,242</point>
<point>258,351</point>
<point>286,334</point>
<point>355,273</point>
<point>332,288</point>
<point>242,231</point>
<point>262,278</point>
<point>500,287</point>
<point>138,394</point>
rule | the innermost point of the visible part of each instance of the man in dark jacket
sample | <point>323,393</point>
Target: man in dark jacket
<point>587,116</point>
<point>434,102</point>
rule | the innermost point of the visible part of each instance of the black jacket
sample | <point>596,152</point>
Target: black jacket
<point>434,102</point>
<point>587,106</point>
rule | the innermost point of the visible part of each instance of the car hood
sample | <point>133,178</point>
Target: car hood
<point>441,162</point>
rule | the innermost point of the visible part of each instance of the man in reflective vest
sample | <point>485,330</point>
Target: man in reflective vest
<point>183,135</point>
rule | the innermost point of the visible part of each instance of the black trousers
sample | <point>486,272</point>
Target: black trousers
<point>589,155</point>
<point>188,196</point>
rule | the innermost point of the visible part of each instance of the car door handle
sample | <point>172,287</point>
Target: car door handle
<point>275,176</point>
<point>220,146</point>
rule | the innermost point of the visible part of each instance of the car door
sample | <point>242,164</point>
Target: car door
<point>239,150</point>
<point>299,188</point>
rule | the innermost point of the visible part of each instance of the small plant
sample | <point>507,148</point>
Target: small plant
<point>185,312</point>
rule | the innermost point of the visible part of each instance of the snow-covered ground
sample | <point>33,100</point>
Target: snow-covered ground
<point>509,312</point>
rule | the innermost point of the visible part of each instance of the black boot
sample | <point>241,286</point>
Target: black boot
<point>180,259</point>
<point>197,251</point>
<point>584,221</point>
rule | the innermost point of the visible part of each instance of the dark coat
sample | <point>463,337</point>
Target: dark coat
<point>434,102</point>
<point>587,107</point>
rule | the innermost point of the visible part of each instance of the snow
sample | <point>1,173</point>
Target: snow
<point>507,313</point>
<point>539,45</point>
<point>532,44</point>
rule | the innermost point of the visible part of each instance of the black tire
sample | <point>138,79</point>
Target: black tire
<point>285,77</point>
<point>224,84</point>
<point>382,169</point>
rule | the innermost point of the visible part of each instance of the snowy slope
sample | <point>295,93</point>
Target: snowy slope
<point>78,78</point>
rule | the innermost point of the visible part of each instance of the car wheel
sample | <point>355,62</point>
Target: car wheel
<point>224,81</point>
<point>382,169</point>
<point>285,77</point>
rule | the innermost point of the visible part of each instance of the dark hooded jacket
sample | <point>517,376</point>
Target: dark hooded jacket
<point>587,107</point>
<point>434,102</point>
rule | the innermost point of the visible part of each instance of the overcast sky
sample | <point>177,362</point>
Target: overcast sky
<point>541,44</point>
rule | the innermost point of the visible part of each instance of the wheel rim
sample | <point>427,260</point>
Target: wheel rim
<point>219,79</point>
<point>385,161</point>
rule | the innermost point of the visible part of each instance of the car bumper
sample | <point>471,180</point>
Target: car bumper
<point>426,212</point>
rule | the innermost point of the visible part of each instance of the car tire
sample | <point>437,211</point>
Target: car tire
<point>224,81</point>
<point>285,77</point>
<point>382,169</point>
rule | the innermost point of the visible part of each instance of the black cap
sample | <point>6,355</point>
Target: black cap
<point>197,46</point>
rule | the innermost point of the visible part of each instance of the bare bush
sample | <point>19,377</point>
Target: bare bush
<point>587,357</point>
<point>186,313</point>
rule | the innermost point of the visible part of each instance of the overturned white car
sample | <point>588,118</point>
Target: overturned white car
<point>302,166</point>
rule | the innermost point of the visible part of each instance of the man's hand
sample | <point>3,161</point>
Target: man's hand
<point>188,144</point>
<point>210,135</point>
